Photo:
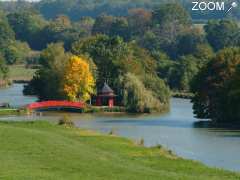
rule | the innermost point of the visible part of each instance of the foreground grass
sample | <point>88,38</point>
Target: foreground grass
<point>20,72</point>
<point>45,151</point>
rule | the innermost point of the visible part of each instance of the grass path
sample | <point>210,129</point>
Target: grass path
<point>41,150</point>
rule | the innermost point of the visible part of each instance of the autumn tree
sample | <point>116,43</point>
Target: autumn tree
<point>139,21</point>
<point>79,83</point>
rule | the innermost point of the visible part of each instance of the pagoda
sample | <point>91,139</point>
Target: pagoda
<point>106,96</point>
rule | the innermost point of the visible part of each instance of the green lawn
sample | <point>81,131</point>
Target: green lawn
<point>20,72</point>
<point>45,151</point>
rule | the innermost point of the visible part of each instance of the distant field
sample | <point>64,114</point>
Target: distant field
<point>40,150</point>
<point>20,72</point>
<point>200,26</point>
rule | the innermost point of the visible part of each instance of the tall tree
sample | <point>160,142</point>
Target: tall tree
<point>79,83</point>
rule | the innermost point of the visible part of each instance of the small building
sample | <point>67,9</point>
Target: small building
<point>106,97</point>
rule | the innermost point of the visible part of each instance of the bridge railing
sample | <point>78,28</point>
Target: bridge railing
<point>50,104</point>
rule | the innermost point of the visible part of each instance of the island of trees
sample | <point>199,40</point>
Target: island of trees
<point>144,50</point>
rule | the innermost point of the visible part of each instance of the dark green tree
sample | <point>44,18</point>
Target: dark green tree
<point>103,25</point>
<point>187,69</point>
<point>62,30</point>
<point>188,43</point>
<point>215,87</point>
<point>169,20</point>
<point>223,33</point>
<point>120,27</point>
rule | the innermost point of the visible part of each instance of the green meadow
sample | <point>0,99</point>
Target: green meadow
<point>41,150</point>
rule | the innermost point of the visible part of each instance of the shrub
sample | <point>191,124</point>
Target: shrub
<point>140,142</point>
<point>66,121</point>
<point>112,132</point>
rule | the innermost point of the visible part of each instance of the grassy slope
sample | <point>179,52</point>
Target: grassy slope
<point>44,151</point>
<point>19,72</point>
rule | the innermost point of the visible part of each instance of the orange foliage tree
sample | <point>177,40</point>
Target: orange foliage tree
<point>79,82</point>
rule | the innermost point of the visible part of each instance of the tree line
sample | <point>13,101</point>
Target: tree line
<point>76,9</point>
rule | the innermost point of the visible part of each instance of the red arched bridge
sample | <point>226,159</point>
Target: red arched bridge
<point>56,105</point>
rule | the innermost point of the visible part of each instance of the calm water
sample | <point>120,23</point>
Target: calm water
<point>175,130</point>
<point>14,96</point>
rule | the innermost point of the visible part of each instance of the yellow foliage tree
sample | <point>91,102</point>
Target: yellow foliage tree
<point>79,83</point>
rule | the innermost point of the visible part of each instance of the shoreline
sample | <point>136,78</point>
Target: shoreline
<point>182,95</point>
<point>138,140</point>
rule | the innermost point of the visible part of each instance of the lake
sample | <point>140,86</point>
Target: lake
<point>175,130</point>
<point>14,96</point>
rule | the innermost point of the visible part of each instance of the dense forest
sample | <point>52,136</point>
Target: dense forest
<point>76,9</point>
<point>143,49</point>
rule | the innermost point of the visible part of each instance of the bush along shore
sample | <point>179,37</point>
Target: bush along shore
<point>183,95</point>
<point>40,150</point>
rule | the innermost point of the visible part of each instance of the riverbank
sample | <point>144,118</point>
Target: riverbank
<point>17,74</point>
<point>182,95</point>
<point>6,111</point>
<point>40,150</point>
